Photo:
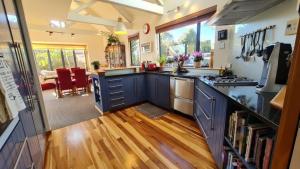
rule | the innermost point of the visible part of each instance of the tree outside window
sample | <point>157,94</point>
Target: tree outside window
<point>183,41</point>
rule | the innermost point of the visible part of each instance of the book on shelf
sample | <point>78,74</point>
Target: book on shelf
<point>253,128</point>
<point>233,162</point>
<point>236,121</point>
<point>268,151</point>
<point>261,144</point>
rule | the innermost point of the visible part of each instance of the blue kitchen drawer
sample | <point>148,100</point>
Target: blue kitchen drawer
<point>204,96</point>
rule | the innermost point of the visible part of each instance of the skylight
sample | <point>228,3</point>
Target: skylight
<point>57,24</point>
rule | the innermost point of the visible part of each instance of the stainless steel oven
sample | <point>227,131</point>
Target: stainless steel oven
<point>182,94</point>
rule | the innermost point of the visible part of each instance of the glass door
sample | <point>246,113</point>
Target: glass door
<point>31,118</point>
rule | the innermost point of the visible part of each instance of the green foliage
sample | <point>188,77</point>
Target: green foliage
<point>206,46</point>
<point>162,60</point>
<point>112,39</point>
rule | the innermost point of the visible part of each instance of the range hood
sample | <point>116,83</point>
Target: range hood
<point>238,11</point>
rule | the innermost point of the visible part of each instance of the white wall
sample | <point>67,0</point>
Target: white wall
<point>95,44</point>
<point>278,15</point>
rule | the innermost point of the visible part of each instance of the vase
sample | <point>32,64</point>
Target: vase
<point>197,64</point>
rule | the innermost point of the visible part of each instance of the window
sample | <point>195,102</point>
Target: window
<point>80,57</point>
<point>134,43</point>
<point>185,40</point>
<point>187,35</point>
<point>56,58</point>
<point>69,58</point>
<point>51,57</point>
<point>42,59</point>
<point>180,41</point>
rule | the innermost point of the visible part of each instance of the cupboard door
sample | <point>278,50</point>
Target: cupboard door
<point>163,91</point>
<point>141,88</point>
<point>130,90</point>
<point>151,90</point>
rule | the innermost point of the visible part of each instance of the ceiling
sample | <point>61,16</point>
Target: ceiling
<point>39,13</point>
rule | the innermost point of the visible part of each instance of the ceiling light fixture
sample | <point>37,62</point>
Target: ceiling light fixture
<point>120,28</point>
<point>72,35</point>
<point>57,24</point>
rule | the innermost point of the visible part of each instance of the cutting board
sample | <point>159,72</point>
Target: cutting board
<point>278,100</point>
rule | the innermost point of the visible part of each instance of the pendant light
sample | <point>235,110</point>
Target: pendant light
<point>120,28</point>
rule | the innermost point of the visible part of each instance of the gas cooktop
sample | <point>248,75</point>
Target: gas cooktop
<point>230,81</point>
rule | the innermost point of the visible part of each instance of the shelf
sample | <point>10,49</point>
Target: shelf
<point>238,11</point>
<point>247,165</point>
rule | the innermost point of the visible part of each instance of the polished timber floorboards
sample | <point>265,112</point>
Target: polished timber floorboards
<point>128,139</point>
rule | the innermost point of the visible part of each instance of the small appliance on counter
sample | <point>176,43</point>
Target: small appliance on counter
<point>148,66</point>
<point>276,67</point>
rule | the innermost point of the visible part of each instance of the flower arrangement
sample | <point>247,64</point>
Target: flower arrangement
<point>198,56</point>
<point>180,59</point>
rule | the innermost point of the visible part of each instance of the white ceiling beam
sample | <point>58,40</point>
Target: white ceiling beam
<point>140,5</point>
<point>160,2</point>
<point>124,13</point>
<point>83,6</point>
<point>92,12</point>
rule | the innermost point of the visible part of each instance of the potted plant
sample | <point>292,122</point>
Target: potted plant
<point>96,65</point>
<point>112,39</point>
<point>198,57</point>
<point>162,60</point>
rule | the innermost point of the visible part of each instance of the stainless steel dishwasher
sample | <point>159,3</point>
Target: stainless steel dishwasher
<point>182,94</point>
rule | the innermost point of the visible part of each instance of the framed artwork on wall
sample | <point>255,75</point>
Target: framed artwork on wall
<point>146,47</point>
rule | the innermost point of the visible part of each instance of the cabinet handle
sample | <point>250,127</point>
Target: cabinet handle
<point>111,87</point>
<point>200,125</point>
<point>114,80</point>
<point>213,108</point>
<point>113,93</point>
<point>117,105</point>
<point>206,116</point>
<point>208,97</point>
<point>120,98</point>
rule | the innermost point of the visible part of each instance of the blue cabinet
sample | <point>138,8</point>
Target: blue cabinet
<point>158,90</point>
<point>112,93</point>
<point>210,110</point>
<point>135,89</point>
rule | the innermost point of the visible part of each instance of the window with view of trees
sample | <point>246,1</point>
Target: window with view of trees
<point>187,39</point>
<point>134,43</point>
<point>53,58</point>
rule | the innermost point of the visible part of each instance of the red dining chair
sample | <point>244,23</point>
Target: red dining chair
<point>74,68</point>
<point>81,79</point>
<point>64,81</point>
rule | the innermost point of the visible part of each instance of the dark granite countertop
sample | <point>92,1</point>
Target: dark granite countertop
<point>257,103</point>
<point>166,73</point>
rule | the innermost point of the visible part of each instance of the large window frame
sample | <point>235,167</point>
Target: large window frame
<point>61,49</point>
<point>132,38</point>
<point>195,18</point>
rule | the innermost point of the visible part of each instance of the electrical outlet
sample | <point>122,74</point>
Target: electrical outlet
<point>291,27</point>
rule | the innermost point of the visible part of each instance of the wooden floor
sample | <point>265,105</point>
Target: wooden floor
<point>128,139</point>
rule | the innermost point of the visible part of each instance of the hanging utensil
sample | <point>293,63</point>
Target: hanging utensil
<point>259,52</point>
<point>243,43</point>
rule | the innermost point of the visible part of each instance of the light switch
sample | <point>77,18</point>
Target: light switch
<point>291,27</point>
